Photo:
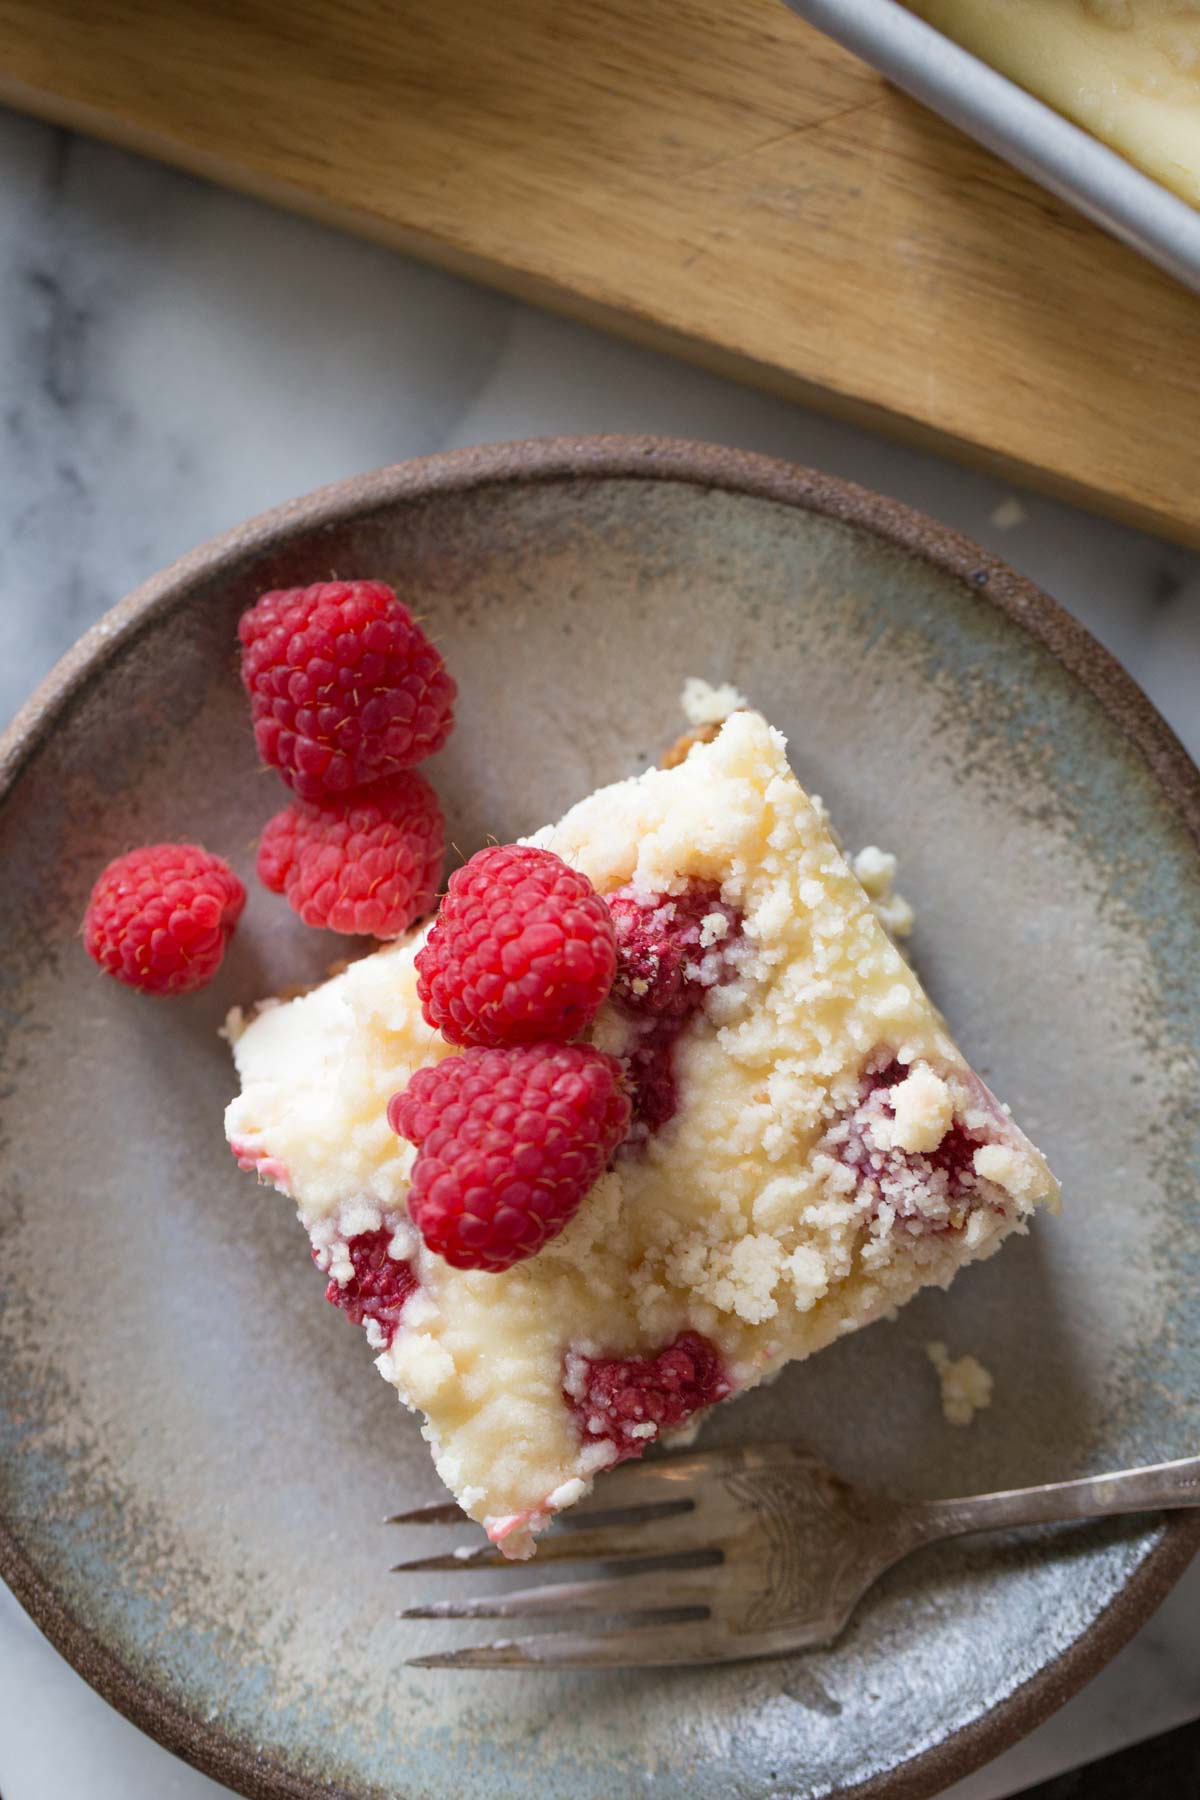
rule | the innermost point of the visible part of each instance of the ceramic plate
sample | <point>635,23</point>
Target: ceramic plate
<point>197,1453</point>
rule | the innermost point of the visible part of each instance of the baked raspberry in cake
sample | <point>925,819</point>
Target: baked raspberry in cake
<point>806,1148</point>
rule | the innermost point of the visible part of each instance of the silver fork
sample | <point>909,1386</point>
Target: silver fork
<point>748,1553</point>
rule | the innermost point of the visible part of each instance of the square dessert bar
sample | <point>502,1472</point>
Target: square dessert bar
<point>808,1146</point>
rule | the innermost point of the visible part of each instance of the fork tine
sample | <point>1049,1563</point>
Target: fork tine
<point>666,1590</point>
<point>642,1483</point>
<point>665,1477</point>
<point>633,1484</point>
<point>629,1486</point>
<point>654,1646</point>
<point>603,1543</point>
<point>668,1476</point>
<point>435,1512</point>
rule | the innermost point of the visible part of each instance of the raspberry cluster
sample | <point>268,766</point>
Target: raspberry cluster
<point>522,953</point>
<point>346,695</point>
<point>511,1134</point>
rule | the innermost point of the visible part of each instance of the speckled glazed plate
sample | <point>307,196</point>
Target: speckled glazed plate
<point>196,1451</point>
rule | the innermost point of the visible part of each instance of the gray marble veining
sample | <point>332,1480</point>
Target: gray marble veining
<point>173,359</point>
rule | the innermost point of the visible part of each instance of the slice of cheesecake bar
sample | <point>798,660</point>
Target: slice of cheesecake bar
<point>808,1146</point>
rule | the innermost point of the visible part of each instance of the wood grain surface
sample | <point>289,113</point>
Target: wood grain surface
<point>711,177</point>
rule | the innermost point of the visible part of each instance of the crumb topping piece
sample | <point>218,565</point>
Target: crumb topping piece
<point>966,1384</point>
<point>704,704</point>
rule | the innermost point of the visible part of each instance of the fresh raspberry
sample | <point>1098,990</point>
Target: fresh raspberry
<point>616,1398</point>
<point>367,862</point>
<point>508,1143</point>
<point>159,918</point>
<point>344,687</point>
<point>664,972</point>
<point>523,949</point>
<point>379,1286</point>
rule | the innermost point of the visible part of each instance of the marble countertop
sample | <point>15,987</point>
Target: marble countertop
<point>174,359</point>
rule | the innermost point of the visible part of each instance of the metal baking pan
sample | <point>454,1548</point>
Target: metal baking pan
<point>1024,130</point>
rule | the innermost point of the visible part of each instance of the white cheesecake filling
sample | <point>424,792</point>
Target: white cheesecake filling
<point>784,1204</point>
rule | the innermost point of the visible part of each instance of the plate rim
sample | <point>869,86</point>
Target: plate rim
<point>718,468</point>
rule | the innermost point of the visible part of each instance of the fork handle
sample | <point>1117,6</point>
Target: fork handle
<point>1160,1487</point>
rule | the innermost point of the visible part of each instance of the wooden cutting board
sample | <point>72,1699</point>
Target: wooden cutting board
<point>710,177</point>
